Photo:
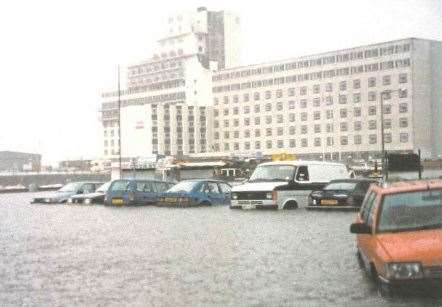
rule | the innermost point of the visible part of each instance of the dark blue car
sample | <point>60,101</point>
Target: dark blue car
<point>198,192</point>
<point>134,192</point>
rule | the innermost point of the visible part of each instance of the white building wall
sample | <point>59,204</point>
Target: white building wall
<point>232,40</point>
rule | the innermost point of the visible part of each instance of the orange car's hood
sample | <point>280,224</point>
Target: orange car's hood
<point>424,246</point>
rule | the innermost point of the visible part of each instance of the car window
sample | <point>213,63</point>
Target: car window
<point>225,188</point>
<point>144,186</point>
<point>161,186</point>
<point>366,210</point>
<point>302,174</point>
<point>88,188</point>
<point>212,187</point>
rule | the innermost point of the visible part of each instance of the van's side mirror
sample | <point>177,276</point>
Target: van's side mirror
<point>360,228</point>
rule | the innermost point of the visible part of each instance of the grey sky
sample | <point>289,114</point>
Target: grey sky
<point>57,56</point>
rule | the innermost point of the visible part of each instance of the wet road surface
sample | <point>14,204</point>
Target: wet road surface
<point>94,255</point>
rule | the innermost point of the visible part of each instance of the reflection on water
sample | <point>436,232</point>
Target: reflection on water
<point>66,255</point>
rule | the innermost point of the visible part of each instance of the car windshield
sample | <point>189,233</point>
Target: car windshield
<point>120,185</point>
<point>341,186</point>
<point>411,211</point>
<point>273,173</point>
<point>104,187</point>
<point>71,187</point>
<point>185,186</point>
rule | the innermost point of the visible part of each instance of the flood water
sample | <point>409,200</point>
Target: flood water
<point>93,255</point>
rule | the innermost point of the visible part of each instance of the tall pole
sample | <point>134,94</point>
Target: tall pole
<point>382,134</point>
<point>119,125</point>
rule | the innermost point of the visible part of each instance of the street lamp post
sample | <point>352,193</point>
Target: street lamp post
<point>382,133</point>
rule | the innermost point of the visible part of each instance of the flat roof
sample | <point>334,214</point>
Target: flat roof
<point>300,162</point>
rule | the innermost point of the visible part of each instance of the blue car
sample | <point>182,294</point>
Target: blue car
<point>199,192</point>
<point>134,192</point>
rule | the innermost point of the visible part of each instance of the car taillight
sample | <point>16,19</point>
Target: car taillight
<point>131,196</point>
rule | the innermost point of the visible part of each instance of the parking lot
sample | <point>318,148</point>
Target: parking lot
<point>67,254</point>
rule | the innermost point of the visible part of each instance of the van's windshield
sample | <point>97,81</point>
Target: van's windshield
<point>273,173</point>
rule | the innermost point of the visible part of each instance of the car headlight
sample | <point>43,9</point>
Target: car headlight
<point>87,201</point>
<point>69,201</point>
<point>48,200</point>
<point>404,270</point>
<point>269,195</point>
<point>234,196</point>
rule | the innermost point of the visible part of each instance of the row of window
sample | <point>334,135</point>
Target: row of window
<point>331,59</point>
<point>304,142</point>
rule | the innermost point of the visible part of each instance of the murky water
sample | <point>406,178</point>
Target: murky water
<point>94,255</point>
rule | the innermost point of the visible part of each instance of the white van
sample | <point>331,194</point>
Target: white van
<point>285,184</point>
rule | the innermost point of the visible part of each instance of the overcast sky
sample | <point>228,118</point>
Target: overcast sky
<point>56,57</point>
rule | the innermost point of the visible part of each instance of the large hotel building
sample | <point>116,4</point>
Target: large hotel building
<point>198,102</point>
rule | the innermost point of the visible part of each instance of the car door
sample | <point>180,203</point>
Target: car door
<point>365,241</point>
<point>225,190</point>
<point>147,194</point>
<point>213,193</point>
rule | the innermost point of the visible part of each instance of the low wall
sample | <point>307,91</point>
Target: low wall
<point>47,179</point>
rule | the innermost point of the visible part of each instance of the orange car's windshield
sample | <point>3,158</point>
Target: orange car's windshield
<point>411,211</point>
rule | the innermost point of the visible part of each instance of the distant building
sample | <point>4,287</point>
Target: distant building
<point>75,165</point>
<point>13,161</point>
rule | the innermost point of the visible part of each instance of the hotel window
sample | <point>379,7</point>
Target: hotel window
<point>387,109</point>
<point>356,84</point>
<point>226,99</point>
<point>358,140</point>
<point>226,134</point>
<point>226,112</point>
<point>235,98</point>
<point>303,103</point>
<point>292,143</point>
<point>291,104</point>
<point>257,133</point>
<point>246,97</point>
<point>372,139</point>
<point>372,96</point>
<point>317,115</point>
<point>387,123</point>
<point>215,113</point>
<point>235,110</point>
<point>235,146</point>
<point>386,80</point>
<point>329,114</point>
<point>304,142</point>
<point>235,122</point>
<point>357,112</point>
<point>372,82</point>
<point>342,99</point>
<point>226,123</point>
<point>292,117</point>
<point>357,97</point>
<point>269,132</point>
<point>317,128</point>
<point>216,124</point>
<point>257,108</point>
<point>246,109</point>
<point>372,125</point>
<point>291,91</point>
<point>343,113</point>
<point>343,127</point>
<point>344,140</point>
<point>357,126</point>
<point>329,128</point>
<point>372,110</point>
<point>329,100</point>
<point>257,120</point>
<point>343,85</point>
<point>329,87</point>
<point>247,133</point>
<point>247,145</point>
<point>292,130</point>
<point>316,88</point>
<point>279,119</point>
<point>280,144</point>
<point>403,137</point>
<point>316,102</point>
<point>279,106</point>
<point>278,93</point>
<point>303,90</point>
<point>235,134</point>
<point>403,78</point>
<point>246,121</point>
<point>257,145</point>
<point>256,96</point>
<point>304,116</point>
<point>268,94</point>
<point>280,131</point>
<point>268,107</point>
<point>403,93</point>
<point>304,129</point>
<point>330,141</point>
<point>403,107</point>
<point>268,119</point>
<point>317,142</point>
<point>387,137</point>
<point>403,122</point>
<point>386,95</point>
<point>269,144</point>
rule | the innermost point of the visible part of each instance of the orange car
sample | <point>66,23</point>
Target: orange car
<point>399,235</point>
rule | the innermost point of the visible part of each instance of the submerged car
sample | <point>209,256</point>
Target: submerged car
<point>340,194</point>
<point>134,192</point>
<point>70,189</point>
<point>96,198</point>
<point>199,192</point>
<point>399,235</point>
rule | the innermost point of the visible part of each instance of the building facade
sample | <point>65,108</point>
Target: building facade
<point>328,105</point>
<point>13,161</point>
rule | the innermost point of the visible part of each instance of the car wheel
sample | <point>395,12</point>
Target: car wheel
<point>360,261</point>
<point>385,290</point>
<point>290,205</point>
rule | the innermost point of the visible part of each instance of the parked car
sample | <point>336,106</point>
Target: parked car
<point>134,192</point>
<point>340,194</point>
<point>399,235</point>
<point>285,184</point>
<point>97,197</point>
<point>199,192</point>
<point>70,189</point>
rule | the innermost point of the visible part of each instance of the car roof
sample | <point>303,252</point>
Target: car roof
<point>300,162</point>
<point>408,186</point>
<point>202,179</point>
<point>355,180</point>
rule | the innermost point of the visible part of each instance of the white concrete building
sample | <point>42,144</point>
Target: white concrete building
<point>329,104</point>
